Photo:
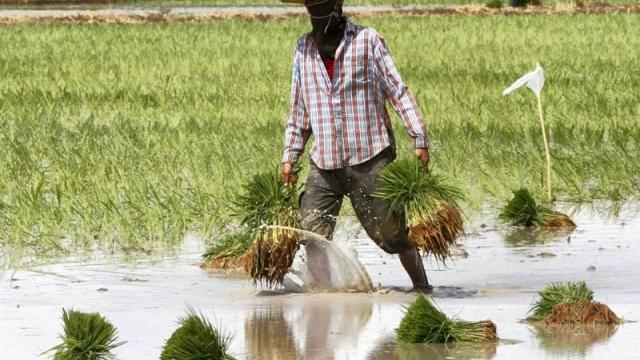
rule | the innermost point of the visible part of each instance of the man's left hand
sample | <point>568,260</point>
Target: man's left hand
<point>423,156</point>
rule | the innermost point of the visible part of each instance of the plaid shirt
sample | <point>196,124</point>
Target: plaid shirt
<point>347,116</point>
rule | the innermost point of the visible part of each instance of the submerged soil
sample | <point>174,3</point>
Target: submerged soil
<point>498,280</point>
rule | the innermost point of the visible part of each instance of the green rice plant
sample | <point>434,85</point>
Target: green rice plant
<point>523,210</point>
<point>494,4</point>
<point>559,293</point>
<point>226,251</point>
<point>196,338</point>
<point>167,3</point>
<point>571,304</point>
<point>87,336</point>
<point>423,322</point>
<point>232,244</point>
<point>128,145</point>
<point>269,209</point>
<point>430,205</point>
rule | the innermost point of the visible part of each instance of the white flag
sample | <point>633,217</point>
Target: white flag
<point>534,81</point>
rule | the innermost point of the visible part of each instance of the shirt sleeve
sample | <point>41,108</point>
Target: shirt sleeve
<point>398,94</point>
<point>297,129</point>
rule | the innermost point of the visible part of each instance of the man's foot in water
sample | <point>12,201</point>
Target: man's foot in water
<point>412,263</point>
<point>422,289</point>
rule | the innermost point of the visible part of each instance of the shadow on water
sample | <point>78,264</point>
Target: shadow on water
<point>572,340</point>
<point>314,332</point>
<point>439,292</point>
<point>390,350</point>
<point>453,292</point>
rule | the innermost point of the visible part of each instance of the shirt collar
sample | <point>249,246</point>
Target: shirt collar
<point>350,28</point>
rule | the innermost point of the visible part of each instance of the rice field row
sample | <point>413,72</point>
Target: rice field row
<point>62,3</point>
<point>129,136</point>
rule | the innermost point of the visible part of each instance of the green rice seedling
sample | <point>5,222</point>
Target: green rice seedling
<point>430,205</point>
<point>168,3</point>
<point>494,4</point>
<point>570,304</point>
<point>269,209</point>
<point>112,145</point>
<point>523,210</point>
<point>87,336</point>
<point>227,250</point>
<point>559,293</point>
<point>196,338</point>
<point>423,322</point>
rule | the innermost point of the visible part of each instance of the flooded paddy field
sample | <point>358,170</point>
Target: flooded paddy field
<point>129,137</point>
<point>496,277</point>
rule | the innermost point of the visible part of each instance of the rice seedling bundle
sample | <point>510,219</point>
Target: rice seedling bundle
<point>523,210</point>
<point>430,205</point>
<point>269,209</point>
<point>86,336</point>
<point>83,120</point>
<point>226,251</point>
<point>196,338</point>
<point>423,322</point>
<point>570,303</point>
<point>585,312</point>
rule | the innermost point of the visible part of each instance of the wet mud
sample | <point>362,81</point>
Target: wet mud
<point>497,279</point>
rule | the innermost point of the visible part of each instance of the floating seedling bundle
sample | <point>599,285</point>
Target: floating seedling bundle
<point>523,210</point>
<point>268,209</point>
<point>423,322</point>
<point>87,336</point>
<point>570,303</point>
<point>196,338</point>
<point>431,206</point>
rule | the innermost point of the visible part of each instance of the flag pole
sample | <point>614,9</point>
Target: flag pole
<point>546,148</point>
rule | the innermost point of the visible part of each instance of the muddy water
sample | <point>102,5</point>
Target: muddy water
<point>497,280</point>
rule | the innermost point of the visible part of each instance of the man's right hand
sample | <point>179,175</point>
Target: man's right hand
<point>287,174</point>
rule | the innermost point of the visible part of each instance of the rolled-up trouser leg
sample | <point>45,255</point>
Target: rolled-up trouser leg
<point>388,230</point>
<point>319,208</point>
<point>321,200</point>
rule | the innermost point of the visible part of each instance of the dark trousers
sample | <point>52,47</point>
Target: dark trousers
<point>322,198</point>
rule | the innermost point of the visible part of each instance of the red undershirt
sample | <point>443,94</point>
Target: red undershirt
<point>329,62</point>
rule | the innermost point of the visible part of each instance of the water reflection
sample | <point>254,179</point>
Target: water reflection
<point>572,340</point>
<point>268,335</point>
<point>317,330</point>
<point>528,237</point>
<point>390,350</point>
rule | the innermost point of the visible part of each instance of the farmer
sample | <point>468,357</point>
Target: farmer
<point>342,75</point>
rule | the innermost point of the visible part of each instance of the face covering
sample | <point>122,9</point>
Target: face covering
<point>328,24</point>
<point>328,16</point>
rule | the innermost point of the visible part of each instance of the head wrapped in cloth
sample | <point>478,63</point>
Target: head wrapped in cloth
<point>325,15</point>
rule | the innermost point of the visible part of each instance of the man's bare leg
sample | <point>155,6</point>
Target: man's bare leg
<point>412,263</point>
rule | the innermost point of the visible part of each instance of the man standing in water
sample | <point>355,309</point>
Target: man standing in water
<point>342,75</point>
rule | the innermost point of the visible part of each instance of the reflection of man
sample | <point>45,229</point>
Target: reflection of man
<point>342,75</point>
<point>317,330</point>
